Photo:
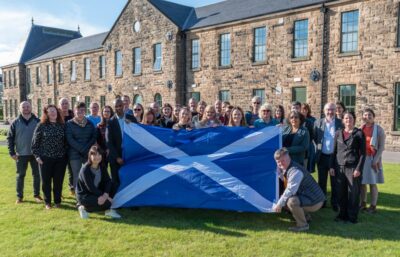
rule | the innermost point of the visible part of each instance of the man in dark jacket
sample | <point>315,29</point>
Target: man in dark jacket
<point>324,134</point>
<point>115,130</point>
<point>302,193</point>
<point>19,140</point>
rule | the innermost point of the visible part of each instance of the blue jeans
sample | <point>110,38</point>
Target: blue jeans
<point>22,166</point>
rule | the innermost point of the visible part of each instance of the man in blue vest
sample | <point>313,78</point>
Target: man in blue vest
<point>302,193</point>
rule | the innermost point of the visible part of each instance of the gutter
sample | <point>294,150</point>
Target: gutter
<point>324,59</point>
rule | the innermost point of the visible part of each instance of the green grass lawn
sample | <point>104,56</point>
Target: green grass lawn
<point>3,138</point>
<point>30,230</point>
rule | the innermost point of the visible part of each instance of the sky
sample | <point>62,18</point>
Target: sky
<point>92,16</point>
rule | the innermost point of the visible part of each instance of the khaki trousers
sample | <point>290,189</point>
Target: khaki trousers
<point>299,212</point>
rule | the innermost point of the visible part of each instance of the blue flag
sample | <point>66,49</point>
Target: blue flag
<point>228,168</point>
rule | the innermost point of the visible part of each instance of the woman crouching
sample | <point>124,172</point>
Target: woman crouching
<point>94,188</point>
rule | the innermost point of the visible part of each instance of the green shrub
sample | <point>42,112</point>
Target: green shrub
<point>3,132</point>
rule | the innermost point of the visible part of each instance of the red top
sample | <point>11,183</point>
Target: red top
<point>346,135</point>
<point>368,136</point>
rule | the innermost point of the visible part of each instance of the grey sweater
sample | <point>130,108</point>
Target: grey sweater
<point>20,135</point>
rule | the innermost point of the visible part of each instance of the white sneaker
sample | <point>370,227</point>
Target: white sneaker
<point>83,213</point>
<point>113,214</point>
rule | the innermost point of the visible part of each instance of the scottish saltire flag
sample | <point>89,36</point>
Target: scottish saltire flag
<point>229,168</point>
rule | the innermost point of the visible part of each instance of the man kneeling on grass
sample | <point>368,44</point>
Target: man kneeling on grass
<point>94,188</point>
<point>302,193</point>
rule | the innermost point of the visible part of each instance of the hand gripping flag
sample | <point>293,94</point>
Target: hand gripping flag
<point>229,168</point>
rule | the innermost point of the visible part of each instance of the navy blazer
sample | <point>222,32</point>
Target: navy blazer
<point>114,136</point>
<point>318,134</point>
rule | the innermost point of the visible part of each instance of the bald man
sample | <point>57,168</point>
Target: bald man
<point>19,140</point>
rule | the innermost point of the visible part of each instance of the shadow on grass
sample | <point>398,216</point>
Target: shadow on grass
<point>382,225</point>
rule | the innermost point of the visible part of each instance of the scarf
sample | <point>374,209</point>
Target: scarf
<point>80,123</point>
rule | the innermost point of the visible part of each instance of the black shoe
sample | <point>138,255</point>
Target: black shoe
<point>335,208</point>
<point>340,219</point>
<point>353,221</point>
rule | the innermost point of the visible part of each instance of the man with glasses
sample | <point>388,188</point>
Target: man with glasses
<point>252,116</point>
<point>324,135</point>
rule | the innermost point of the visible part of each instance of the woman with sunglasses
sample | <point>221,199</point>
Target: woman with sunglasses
<point>252,116</point>
<point>296,137</point>
<point>138,112</point>
<point>166,116</point>
<point>346,165</point>
<point>266,119</point>
<point>94,188</point>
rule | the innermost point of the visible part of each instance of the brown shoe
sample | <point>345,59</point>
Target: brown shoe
<point>38,199</point>
<point>72,192</point>
<point>19,200</point>
<point>372,209</point>
<point>363,206</point>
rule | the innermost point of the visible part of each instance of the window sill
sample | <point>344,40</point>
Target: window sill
<point>87,80</point>
<point>102,79</point>
<point>137,74</point>
<point>300,59</point>
<point>258,63</point>
<point>195,69</point>
<point>349,54</point>
<point>157,72</point>
<point>397,49</point>
<point>225,67</point>
<point>118,76</point>
<point>395,133</point>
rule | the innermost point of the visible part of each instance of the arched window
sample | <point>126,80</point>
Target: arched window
<point>158,99</point>
<point>137,99</point>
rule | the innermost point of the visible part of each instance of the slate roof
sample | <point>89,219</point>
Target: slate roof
<point>42,39</point>
<point>226,11</point>
<point>75,46</point>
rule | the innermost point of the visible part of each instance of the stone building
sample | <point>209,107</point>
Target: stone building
<point>314,51</point>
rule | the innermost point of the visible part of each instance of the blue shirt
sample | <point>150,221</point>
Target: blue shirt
<point>94,119</point>
<point>329,137</point>
<point>260,123</point>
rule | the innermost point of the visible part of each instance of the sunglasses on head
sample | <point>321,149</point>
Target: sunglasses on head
<point>256,102</point>
<point>294,117</point>
<point>266,110</point>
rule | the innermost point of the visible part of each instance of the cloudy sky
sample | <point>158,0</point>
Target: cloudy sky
<point>93,16</point>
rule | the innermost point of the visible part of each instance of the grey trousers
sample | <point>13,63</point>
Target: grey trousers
<point>22,166</point>
<point>76,166</point>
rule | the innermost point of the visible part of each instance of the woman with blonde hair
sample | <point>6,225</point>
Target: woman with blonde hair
<point>265,114</point>
<point>185,120</point>
<point>209,119</point>
<point>201,106</point>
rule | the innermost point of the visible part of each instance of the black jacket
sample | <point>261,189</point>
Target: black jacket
<point>86,187</point>
<point>164,123</point>
<point>351,152</point>
<point>114,136</point>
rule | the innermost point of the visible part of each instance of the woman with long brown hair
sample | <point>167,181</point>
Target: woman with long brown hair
<point>49,148</point>
<point>236,118</point>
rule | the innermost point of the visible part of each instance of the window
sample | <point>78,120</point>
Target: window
<point>14,78</point>
<point>49,100</point>
<point>118,63</point>
<point>5,79</point>
<point>102,101</point>
<point>224,95</point>
<point>16,108</point>
<point>10,83</point>
<point>28,81</point>
<point>349,36</point>
<point>39,107</point>
<point>157,57</point>
<point>5,107</point>
<point>11,109</point>
<point>347,95</point>
<point>137,99</point>
<point>195,96</point>
<point>397,108</point>
<point>225,50</point>
<point>260,93</point>
<point>300,48</point>
<point>73,71</point>
<point>38,76</point>
<point>48,69</point>
<point>87,103</point>
<point>260,41</point>
<point>158,99</point>
<point>86,70</point>
<point>299,94</point>
<point>137,60</point>
<point>73,102</point>
<point>195,54</point>
<point>102,67</point>
<point>60,73</point>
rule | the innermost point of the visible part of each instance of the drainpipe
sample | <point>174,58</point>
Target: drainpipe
<point>184,91</point>
<point>54,81</point>
<point>324,59</point>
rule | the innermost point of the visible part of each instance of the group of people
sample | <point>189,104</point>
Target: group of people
<point>86,145</point>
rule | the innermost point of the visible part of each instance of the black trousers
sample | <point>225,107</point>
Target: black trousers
<point>22,166</point>
<point>91,205</point>
<point>70,177</point>
<point>114,174</point>
<point>323,171</point>
<point>348,189</point>
<point>52,171</point>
